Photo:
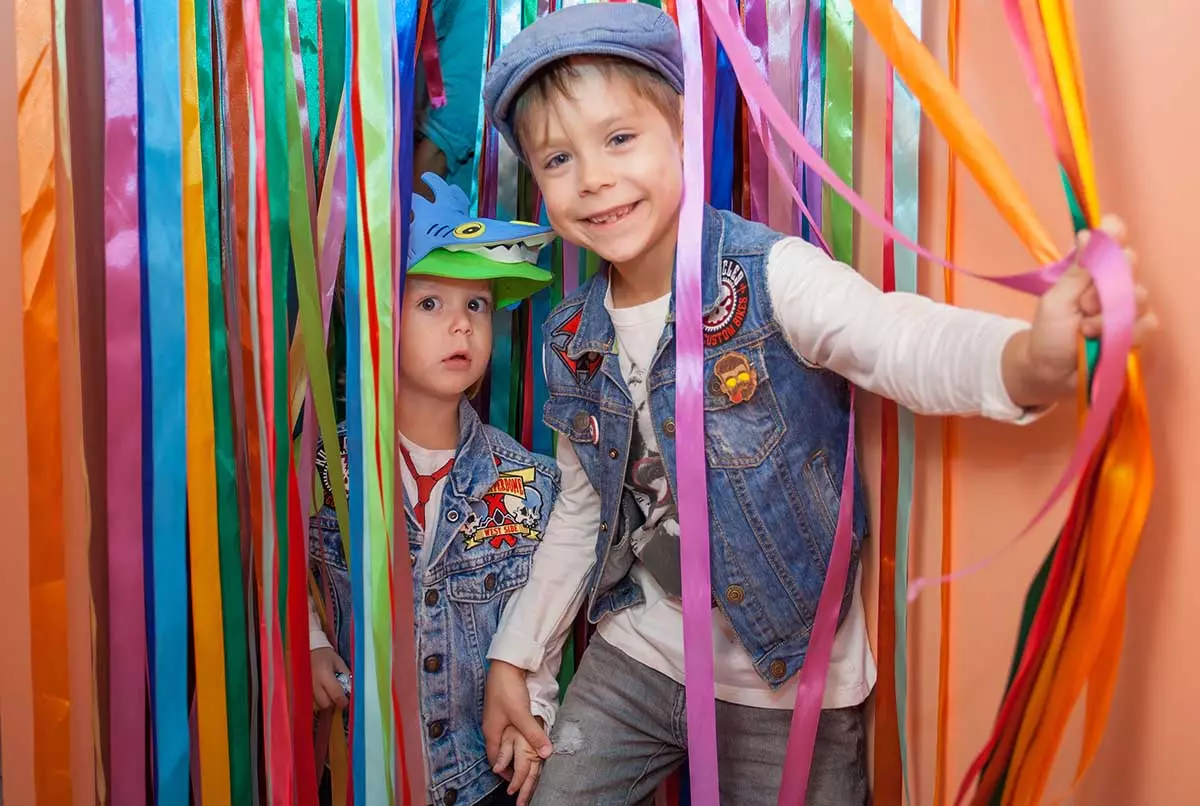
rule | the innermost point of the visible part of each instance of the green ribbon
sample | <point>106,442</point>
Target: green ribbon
<point>838,42</point>
<point>309,304</point>
<point>275,70</point>
<point>233,607</point>
<point>333,43</point>
<point>306,15</point>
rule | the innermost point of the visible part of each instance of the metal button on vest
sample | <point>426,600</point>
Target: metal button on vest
<point>451,797</point>
<point>452,516</point>
<point>431,598</point>
<point>604,526</point>
<point>778,669</point>
<point>436,730</point>
<point>433,663</point>
<point>582,421</point>
<point>489,582</point>
<point>614,453</point>
<point>669,428</point>
<point>734,594</point>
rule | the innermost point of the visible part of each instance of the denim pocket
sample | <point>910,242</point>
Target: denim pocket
<point>742,419</point>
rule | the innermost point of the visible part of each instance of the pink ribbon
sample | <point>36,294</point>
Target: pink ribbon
<point>122,253</point>
<point>1102,257</point>
<point>1114,275</point>
<point>689,417</point>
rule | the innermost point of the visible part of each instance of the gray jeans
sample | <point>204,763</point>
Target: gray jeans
<point>623,728</point>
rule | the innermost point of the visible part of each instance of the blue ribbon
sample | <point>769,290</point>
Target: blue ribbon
<point>724,116</point>
<point>354,441</point>
<point>163,159</point>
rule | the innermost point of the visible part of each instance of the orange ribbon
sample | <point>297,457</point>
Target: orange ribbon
<point>16,674</point>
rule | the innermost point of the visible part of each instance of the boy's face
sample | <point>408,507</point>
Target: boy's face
<point>609,165</point>
<point>445,335</point>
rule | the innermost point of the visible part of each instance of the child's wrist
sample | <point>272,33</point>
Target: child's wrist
<point>1030,384</point>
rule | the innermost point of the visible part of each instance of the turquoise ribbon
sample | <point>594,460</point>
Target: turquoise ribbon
<point>905,155</point>
<point>163,157</point>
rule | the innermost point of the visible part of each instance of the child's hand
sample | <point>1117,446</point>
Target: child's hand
<point>1040,364</point>
<point>505,705</point>
<point>327,690</point>
<point>518,764</point>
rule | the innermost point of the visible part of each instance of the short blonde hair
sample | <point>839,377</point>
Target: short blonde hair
<point>556,79</point>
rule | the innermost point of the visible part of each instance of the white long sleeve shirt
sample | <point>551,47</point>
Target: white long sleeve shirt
<point>931,358</point>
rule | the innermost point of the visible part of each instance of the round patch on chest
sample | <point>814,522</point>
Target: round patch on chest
<point>733,301</point>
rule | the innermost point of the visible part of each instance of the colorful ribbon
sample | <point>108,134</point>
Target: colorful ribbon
<point>161,154</point>
<point>16,675</point>
<point>689,419</point>
<point>949,448</point>
<point>205,570</point>
<point>123,316</point>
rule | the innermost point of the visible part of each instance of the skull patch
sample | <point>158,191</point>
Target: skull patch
<point>738,380</point>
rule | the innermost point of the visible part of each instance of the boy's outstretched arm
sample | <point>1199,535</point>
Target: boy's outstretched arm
<point>537,619</point>
<point>929,357</point>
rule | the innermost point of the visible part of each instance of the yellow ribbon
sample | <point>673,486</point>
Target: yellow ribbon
<point>208,625</point>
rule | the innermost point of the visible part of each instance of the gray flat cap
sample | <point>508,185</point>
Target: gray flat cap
<point>634,31</point>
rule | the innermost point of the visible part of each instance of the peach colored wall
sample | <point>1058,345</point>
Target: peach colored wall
<point>1142,67</point>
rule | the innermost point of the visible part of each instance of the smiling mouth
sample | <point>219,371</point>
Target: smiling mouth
<point>613,215</point>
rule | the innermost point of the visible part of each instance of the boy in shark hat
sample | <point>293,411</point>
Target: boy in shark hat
<point>475,501</point>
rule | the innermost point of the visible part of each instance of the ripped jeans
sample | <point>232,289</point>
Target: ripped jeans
<point>623,728</point>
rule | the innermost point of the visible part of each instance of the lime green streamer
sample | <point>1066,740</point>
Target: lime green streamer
<point>373,52</point>
<point>303,251</point>
<point>839,123</point>
<point>237,676</point>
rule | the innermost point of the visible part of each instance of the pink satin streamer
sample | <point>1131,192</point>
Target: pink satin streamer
<point>689,416</point>
<point>1114,276</point>
<point>810,693</point>
<point>127,612</point>
<point>1105,261</point>
<point>1102,257</point>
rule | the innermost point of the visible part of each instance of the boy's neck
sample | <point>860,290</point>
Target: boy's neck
<point>429,422</point>
<point>645,279</point>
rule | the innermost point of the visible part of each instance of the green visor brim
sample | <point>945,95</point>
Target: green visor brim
<point>511,282</point>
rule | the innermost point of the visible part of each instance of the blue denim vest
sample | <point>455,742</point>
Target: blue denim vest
<point>775,442</point>
<point>494,512</point>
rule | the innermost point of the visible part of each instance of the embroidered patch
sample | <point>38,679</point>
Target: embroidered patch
<point>514,509</point>
<point>733,301</point>
<point>583,368</point>
<point>322,465</point>
<point>737,379</point>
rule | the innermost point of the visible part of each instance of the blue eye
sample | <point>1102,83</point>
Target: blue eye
<point>556,160</point>
<point>621,139</point>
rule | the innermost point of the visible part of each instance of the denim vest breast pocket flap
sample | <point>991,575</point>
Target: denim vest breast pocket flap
<point>742,419</point>
<point>573,417</point>
<point>491,581</point>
